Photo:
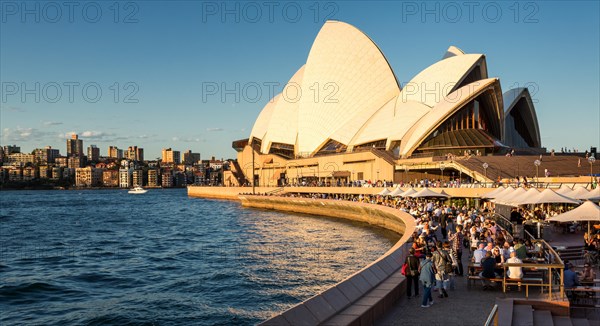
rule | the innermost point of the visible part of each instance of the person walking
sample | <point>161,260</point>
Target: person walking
<point>440,258</point>
<point>427,277</point>
<point>457,239</point>
<point>412,273</point>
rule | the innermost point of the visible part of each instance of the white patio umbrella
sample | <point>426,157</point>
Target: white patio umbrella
<point>510,198</point>
<point>409,192</point>
<point>425,192</point>
<point>504,193</point>
<point>593,195</point>
<point>548,196</point>
<point>384,192</point>
<point>587,211</point>
<point>396,192</point>
<point>566,191</point>
<point>528,195</point>
<point>492,194</point>
<point>580,192</point>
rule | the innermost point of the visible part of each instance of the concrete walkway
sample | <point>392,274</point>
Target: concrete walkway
<point>464,306</point>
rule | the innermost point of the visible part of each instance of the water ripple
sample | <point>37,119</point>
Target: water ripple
<point>106,258</point>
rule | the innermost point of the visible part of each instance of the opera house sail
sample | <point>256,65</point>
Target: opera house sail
<point>452,106</point>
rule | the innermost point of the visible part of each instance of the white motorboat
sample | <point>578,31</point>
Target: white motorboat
<point>137,190</point>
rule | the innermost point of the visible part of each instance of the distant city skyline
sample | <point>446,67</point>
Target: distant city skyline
<point>104,151</point>
<point>195,75</point>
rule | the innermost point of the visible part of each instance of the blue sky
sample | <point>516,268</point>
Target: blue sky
<point>154,60</point>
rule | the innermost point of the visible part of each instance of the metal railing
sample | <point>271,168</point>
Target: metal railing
<point>504,223</point>
<point>493,317</point>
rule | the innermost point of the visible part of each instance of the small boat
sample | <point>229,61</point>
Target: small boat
<point>137,190</point>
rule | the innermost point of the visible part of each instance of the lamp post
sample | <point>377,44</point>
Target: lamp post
<point>377,176</point>
<point>537,164</point>
<point>485,166</point>
<point>253,178</point>
<point>406,173</point>
<point>591,159</point>
<point>442,167</point>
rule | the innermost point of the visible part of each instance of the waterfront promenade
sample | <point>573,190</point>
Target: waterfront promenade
<point>464,306</point>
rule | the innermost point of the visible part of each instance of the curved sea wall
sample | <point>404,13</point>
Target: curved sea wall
<point>364,296</point>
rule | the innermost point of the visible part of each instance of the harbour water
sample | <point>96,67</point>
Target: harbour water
<point>103,257</point>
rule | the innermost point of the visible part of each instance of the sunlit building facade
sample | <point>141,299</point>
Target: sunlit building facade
<point>362,120</point>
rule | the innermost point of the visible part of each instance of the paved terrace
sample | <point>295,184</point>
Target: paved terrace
<point>469,305</point>
<point>465,305</point>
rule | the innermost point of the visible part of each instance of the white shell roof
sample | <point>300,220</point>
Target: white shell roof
<point>438,80</point>
<point>452,51</point>
<point>262,122</point>
<point>352,78</point>
<point>283,126</point>
<point>512,97</point>
<point>443,110</point>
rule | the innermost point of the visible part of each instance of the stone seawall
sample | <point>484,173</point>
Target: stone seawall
<point>232,193</point>
<point>229,193</point>
<point>367,294</point>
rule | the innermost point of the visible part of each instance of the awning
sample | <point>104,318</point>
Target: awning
<point>341,174</point>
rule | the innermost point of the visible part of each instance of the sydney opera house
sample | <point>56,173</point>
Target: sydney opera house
<point>344,115</point>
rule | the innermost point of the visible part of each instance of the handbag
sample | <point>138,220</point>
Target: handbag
<point>448,268</point>
<point>404,268</point>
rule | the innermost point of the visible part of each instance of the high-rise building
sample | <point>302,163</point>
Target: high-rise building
<point>134,153</point>
<point>167,179</point>
<point>62,161</point>
<point>190,158</point>
<point>21,159</point>
<point>45,171</point>
<point>93,153</point>
<point>138,178</point>
<point>75,162</point>
<point>114,152</point>
<point>171,156</point>
<point>30,173</point>
<point>153,180</point>
<point>125,177</point>
<point>56,173</point>
<point>110,178</point>
<point>8,149</point>
<point>74,146</point>
<point>45,155</point>
<point>140,154</point>
<point>88,177</point>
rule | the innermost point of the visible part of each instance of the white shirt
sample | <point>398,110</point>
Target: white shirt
<point>478,255</point>
<point>514,271</point>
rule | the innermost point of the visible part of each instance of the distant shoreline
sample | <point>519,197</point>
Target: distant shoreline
<point>75,188</point>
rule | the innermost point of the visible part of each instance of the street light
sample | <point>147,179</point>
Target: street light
<point>591,159</point>
<point>442,167</point>
<point>537,164</point>
<point>485,166</point>
<point>406,173</point>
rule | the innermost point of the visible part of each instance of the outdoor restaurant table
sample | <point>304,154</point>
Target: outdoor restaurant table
<point>534,260</point>
<point>584,296</point>
<point>474,268</point>
<point>595,289</point>
<point>590,282</point>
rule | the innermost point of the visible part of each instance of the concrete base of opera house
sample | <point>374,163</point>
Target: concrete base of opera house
<point>362,297</point>
<point>231,193</point>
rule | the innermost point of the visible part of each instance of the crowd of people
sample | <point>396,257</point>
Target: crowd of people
<point>444,231</point>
